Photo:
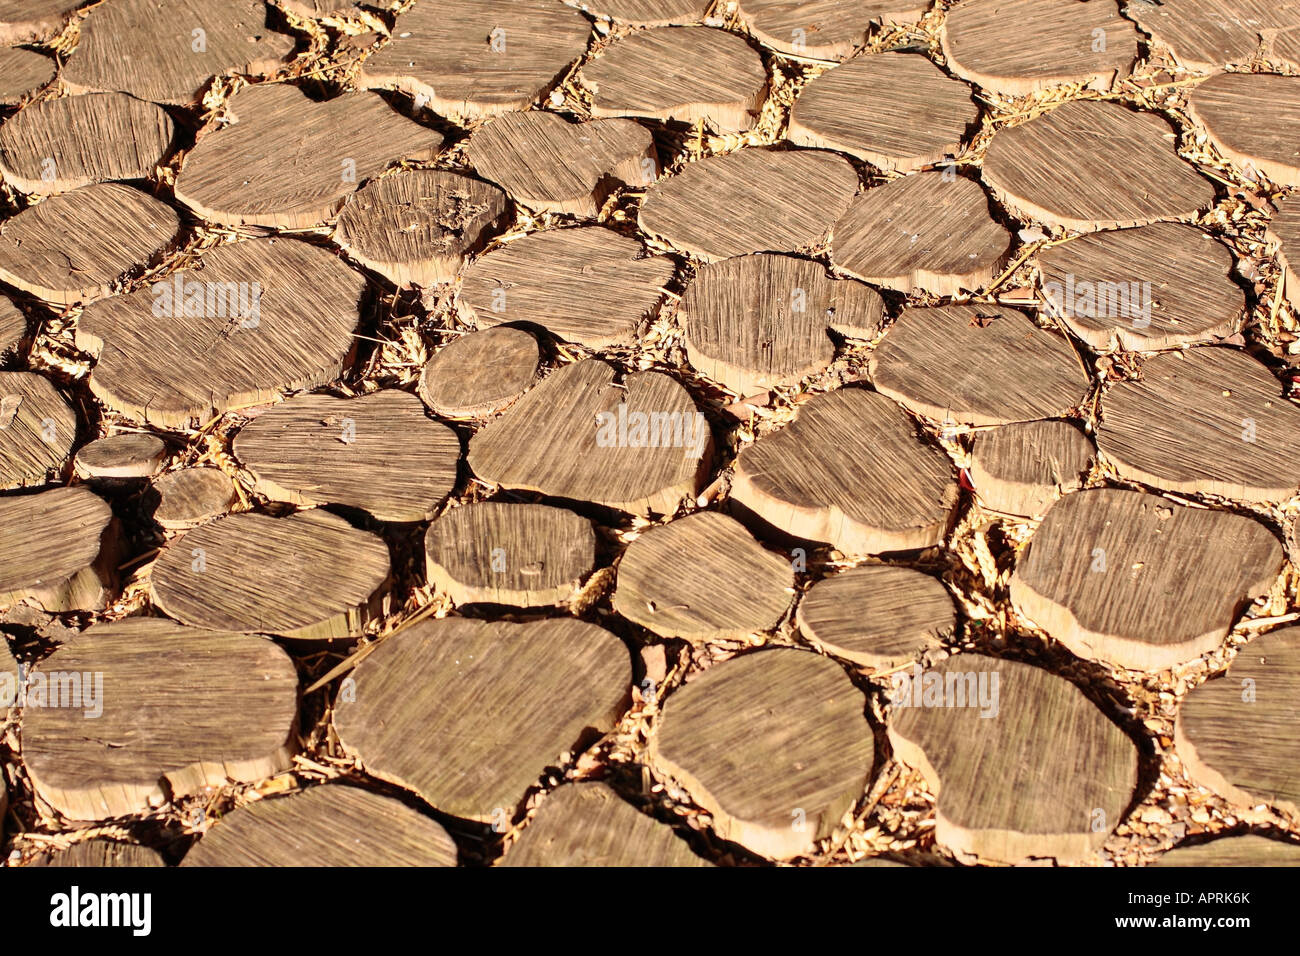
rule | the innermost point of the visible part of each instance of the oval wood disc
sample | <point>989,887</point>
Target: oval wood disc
<point>1208,34</point>
<point>1020,469</point>
<point>165,705</point>
<point>922,232</point>
<point>76,246</point>
<point>1209,421</point>
<point>1284,233</point>
<point>13,330</point>
<point>68,562</point>
<point>126,455</point>
<point>590,285</point>
<point>687,74</point>
<point>22,71</point>
<point>480,373</point>
<point>379,453</point>
<point>868,106</point>
<point>877,615</point>
<point>756,322</point>
<point>1138,581</point>
<point>1247,850</point>
<point>850,471</point>
<point>70,141</point>
<point>37,430</point>
<point>1088,165</point>
<point>773,744</point>
<point>577,435</point>
<point>823,29</point>
<point>476,58</point>
<point>275,314</point>
<point>977,365</point>
<point>191,496</point>
<point>647,13</point>
<point>1270,148</point>
<point>496,552</point>
<point>469,713</point>
<point>22,21</point>
<point>288,161</point>
<point>332,825</point>
<point>310,576</point>
<point>99,854</point>
<point>1236,735</point>
<point>1024,765</point>
<point>752,200</point>
<point>588,824</point>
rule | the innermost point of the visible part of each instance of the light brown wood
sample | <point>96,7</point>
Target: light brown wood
<point>1226,106</point>
<point>1021,469</point>
<point>100,853</point>
<point>823,29</point>
<point>125,455</point>
<point>650,13</point>
<point>1247,850</point>
<point>480,373</point>
<point>70,565</point>
<point>190,497</point>
<point>1139,581</point>
<point>38,429</point>
<point>1208,34</point>
<point>13,331</point>
<point>22,21</point>
<point>1284,232</point>
<point>21,72</point>
<point>1285,48</point>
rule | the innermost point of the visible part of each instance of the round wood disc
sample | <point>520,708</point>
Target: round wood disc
<point>772,744</point>
<point>126,455</point>
<point>588,824</point>
<point>37,430</point>
<point>250,319</point>
<point>1285,48</point>
<point>76,246</point>
<point>703,578</point>
<point>496,552</point>
<point>1209,421</point>
<point>756,322</point>
<point>1025,766</point>
<point>590,285</point>
<point>640,446</point>
<point>752,200</point>
<point>332,825</point>
<point>469,713</point>
<point>417,226</point>
<point>823,29</point>
<point>13,330</point>
<point>1139,581</point>
<point>470,58</point>
<point>687,74</point>
<point>1209,34</point>
<point>157,52</point>
<point>1247,850</point>
<point>480,373</point>
<point>551,165</point>
<point>22,21</point>
<point>191,496</point>
<point>648,13</point>
<point>99,854</point>
<point>310,576</point>
<point>1218,104</point>
<point>1236,734</point>
<point>867,108</point>
<point>165,696</point>
<point>977,365</point>
<point>877,615</point>
<point>288,161</point>
<point>1088,165</point>
<point>1284,232</point>
<point>1155,287</point>
<point>850,471</point>
<point>22,71</point>
<point>70,564</point>
<point>379,453</point>
<point>70,141</point>
<point>1020,469</point>
<point>926,231</point>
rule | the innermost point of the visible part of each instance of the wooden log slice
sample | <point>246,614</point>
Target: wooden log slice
<point>22,71</point>
<point>476,58</point>
<point>291,162</point>
<point>590,285</point>
<point>310,576</point>
<point>823,29</point>
<point>1284,232</point>
<point>1025,767</point>
<point>752,200</point>
<point>1285,48</point>
<point>1269,147</point>
<point>22,21</point>
<point>687,74</point>
<point>756,322</point>
<point>165,695</point>
<point>192,496</point>
<point>70,141</point>
<point>1246,850</point>
<point>524,555</point>
<point>1155,287</point>
<point>772,744</point>
<point>469,713</point>
<point>250,319</point>
<point>646,13</point>
<point>850,471</point>
<point>1208,34</point>
<point>59,550</point>
<point>703,578</point>
<point>481,373</point>
<point>126,455</point>
<point>379,453</point>
<point>926,231</point>
<point>37,430</point>
<point>1209,421</point>
<point>1139,581</point>
<point>332,825</point>
<point>76,246</point>
<point>877,616</point>
<point>1088,165</point>
<point>1021,469</point>
<point>551,165</point>
<point>1236,734</point>
<point>639,446</point>
<point>977,365</point>
<point>588,824</point>
<point>868,107</point>
<point>99,854</point>
<point>13,330</point>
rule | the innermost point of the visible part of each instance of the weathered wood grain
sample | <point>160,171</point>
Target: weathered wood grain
<point>1227,107</point>
<point>191,496</point>
<point>1246,850</point>
<point>38,429</point>
<point>480,373</point>
<point>58,550</point>
<point>125,455</point>
<point>1021,469</point>
<point>13,331</point>
<point>823,29</point>
<point>649,13</point>
<point>1284,46</point>
<point>1284,233</point>
<point>21,72</point>
<point>22,21</point>
<point>1209,34</point>
<point>1139,581</point>
<point>100,853</point>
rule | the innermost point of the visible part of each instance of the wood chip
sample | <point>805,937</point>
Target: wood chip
<point>823,29</point>
<point>59,550</point>
<point>126,455</point>
<point>481,373</point>
<point>1247,850</point>
<point>21,72</point>
<point>647,13</point>
<point>99,854</point>
<point>37,430</point>
<point>22,21</point>
<point>1139,581</point>
<point>192,496</point>
<point>1270,148</point>
<point>1209,34</point>
<point>1021,469</point>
